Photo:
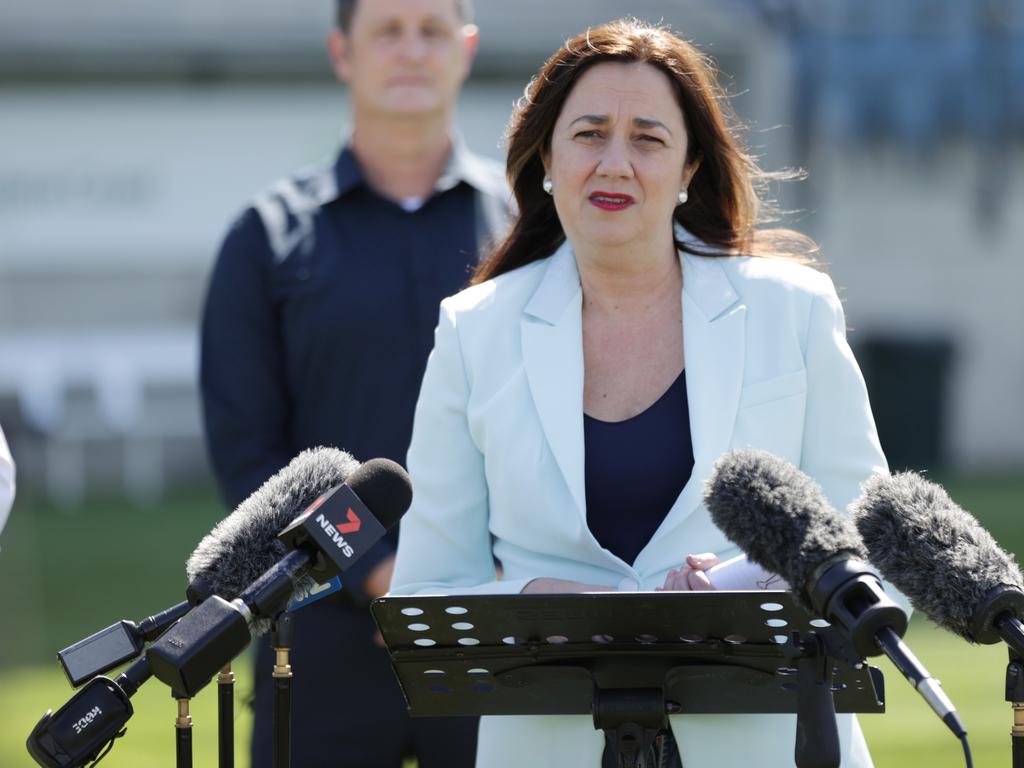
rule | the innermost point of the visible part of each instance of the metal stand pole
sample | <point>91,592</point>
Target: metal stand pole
<point>183,735</point>
<point>226,717</point>
<point>817,734</point>
<point>281,641</point>
<point>1015,695</point>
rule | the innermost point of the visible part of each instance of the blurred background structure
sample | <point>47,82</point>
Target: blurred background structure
<point>133,134</point>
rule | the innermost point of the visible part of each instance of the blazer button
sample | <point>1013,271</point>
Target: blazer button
<point>629,585</point>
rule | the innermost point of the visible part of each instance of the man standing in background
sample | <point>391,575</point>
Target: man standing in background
<point>316,331</point>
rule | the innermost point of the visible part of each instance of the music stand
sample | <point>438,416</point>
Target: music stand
<point>629,659</point>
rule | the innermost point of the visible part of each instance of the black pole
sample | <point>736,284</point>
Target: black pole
<point>817,734</point>
<point>183,735</point>
<point>282,643</point>
<point>226,717</point>
<point>1015,695</point>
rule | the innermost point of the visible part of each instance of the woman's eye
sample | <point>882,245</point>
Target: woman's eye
<point>652,139</point>
<point>587,134</point>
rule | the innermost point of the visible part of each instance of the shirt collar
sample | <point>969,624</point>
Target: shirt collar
<point>462,166</point>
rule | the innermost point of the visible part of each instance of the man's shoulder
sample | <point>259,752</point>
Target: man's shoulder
<point>287,208</point>
<point>485,174</point>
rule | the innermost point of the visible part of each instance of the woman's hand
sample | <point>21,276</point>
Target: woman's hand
<point>691,577</point>
<point>548,586</point>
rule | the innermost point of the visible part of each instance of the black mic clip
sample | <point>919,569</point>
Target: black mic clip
<point>850,594</point>
<point>985,622</point>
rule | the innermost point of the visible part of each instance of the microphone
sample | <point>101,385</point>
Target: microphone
<point>88,723</point>
<point>235,553</point>
<point>326,539</point>
<point>239,549</point>
<point>780,517</point>
<point>245,544</point>
<point>941,558</point>
<point>111,647</point>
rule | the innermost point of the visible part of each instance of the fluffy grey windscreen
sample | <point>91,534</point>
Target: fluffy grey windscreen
<point>933,551</point>
<point>779,516</point>
<point>244,544</point>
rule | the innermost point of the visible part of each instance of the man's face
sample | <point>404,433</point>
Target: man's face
<point>404,57</point>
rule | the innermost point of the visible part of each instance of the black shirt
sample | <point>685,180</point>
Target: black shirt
<point>320,316</point>
<point>635,469</point>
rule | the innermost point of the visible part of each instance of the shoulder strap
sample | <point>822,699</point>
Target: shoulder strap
<point>288,207</point>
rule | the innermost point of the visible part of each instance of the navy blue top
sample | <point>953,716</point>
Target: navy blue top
<point>320,316</point>
<point>635,469</point>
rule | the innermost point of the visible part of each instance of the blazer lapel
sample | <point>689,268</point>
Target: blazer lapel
<point>713,336</point>
<point>552,341</point>
<point>713,339</point>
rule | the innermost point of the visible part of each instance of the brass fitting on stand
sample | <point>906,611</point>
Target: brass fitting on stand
<point>1018,719</point>
<point>184,719</point>
<point>225,676</point>
<point>282,665</point>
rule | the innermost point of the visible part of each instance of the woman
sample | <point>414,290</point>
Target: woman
<point>634,326</point>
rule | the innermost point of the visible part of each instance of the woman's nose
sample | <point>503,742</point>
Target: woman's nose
<point>615,160</point>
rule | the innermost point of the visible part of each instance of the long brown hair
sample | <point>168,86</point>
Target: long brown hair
<point>724,207</point>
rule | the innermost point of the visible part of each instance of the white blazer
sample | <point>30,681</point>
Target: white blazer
<point>497,461</point>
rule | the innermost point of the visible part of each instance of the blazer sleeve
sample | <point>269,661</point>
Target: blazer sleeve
<point>841,448</point>
<point>445,541</point>
<point>840,443</point>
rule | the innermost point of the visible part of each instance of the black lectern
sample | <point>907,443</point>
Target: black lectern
<point>629,660</point>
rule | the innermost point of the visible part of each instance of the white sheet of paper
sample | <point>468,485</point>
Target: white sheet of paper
<point>740,573</point>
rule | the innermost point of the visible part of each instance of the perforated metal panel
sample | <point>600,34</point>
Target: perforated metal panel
<point>711,652</point>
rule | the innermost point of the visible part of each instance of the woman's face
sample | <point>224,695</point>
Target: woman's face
<point>618,156</point>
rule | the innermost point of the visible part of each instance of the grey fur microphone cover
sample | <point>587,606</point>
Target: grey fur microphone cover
<point>779,516</point>
<point>244,544</point>
<point>933,551</point>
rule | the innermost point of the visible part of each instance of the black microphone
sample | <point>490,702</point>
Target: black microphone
<point>235,553</point>
<point>239,549</point>
<point>941,558</point>
<point>86,726</point>
<point>328,537</point>
<point>245,543</point>
<point>113,646</point>
<point>780,517</point>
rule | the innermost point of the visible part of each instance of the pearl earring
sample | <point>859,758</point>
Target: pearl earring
<point>547,185</point>
<point>683,196</point>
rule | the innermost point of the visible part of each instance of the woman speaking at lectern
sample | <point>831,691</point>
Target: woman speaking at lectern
<point>637,323</point>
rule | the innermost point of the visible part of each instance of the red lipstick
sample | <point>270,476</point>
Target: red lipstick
<point>611,201</point>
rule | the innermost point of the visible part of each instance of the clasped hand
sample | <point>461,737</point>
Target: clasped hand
<point>691,577</point>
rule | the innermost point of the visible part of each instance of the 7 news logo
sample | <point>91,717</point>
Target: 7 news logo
<point>337,532</point>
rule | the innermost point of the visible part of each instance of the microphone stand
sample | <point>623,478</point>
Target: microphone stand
<point>1015,696</point>
<point>183,734</point>
<point>1008,628</point>
<point>226,717</point>
<point>282,642</point>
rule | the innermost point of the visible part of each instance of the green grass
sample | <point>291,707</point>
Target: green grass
<point>63,575</point>
<point>909,733</point>
<point>66,574</point>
